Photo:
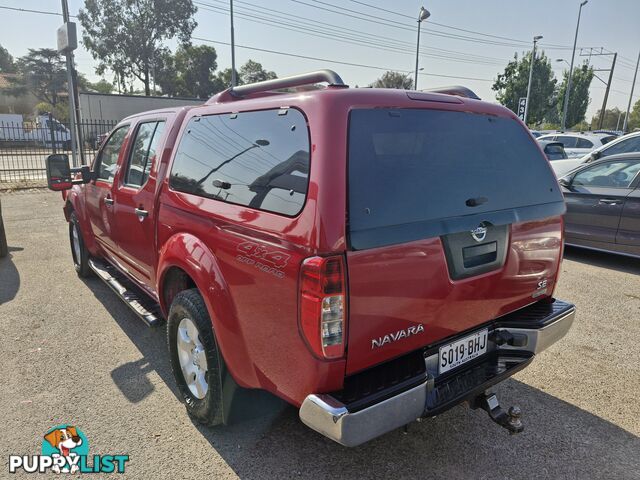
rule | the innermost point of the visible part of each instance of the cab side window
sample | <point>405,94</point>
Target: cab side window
<point>108,159</point>
<point>584,143</point>
<point>627,145</point>
<point>143,153</point>
<point>618,174</point>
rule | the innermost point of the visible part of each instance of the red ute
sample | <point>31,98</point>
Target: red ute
<point>370,256</point>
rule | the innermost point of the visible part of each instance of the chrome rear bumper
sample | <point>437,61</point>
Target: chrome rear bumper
<point>333,419</point>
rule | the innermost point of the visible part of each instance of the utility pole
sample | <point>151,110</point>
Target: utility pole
<point>533,61</point>
<point>626,117</point>
<point>608,83</point>
<point>67,43</point>
<point>423,15</point>
<point>234,80</point>
<point>567,91</point>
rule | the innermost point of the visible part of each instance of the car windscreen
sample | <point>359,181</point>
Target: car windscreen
<point>416,173</point>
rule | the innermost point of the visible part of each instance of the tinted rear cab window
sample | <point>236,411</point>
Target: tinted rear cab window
<point>256,159</point>
<point>411,171</point>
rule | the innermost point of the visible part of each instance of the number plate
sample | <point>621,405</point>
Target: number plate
<point>461,351</point>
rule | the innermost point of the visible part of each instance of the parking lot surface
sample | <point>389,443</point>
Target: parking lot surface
<point>73,353</point>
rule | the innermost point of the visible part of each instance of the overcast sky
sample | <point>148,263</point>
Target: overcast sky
<point>355,32</point>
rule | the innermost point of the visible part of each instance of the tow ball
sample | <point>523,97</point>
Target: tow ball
<point>510,420</point>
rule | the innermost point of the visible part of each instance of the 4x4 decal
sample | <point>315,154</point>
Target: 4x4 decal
<point>269,261</point>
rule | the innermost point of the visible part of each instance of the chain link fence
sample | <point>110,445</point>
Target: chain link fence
<point>24,147</point>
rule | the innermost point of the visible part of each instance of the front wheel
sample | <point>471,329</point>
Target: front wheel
<point>79,252</point>
<point>195,357</point>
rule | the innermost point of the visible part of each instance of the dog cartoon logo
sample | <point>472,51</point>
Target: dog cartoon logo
<point>65,442</point>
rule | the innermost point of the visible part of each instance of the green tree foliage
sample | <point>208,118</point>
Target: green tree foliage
<point>511,85</point>
<point>224,78</point>
<point>391,79</point>
<point>7,64</point>
<point>126,36</point>
<point>634,117</point>
<point>610,121</point>
<point>101,86</point>
<point>189,73</point>
<point>252,72</point>
<point>41,72</point>
<point>579,97</point>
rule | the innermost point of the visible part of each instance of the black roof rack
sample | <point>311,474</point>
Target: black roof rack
<point>456,90</point>
<point>329,76</point>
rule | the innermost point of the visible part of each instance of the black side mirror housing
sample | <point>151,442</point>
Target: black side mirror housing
<point>60,174</point>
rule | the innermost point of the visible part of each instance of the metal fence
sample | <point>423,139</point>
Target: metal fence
<point>24,146</point>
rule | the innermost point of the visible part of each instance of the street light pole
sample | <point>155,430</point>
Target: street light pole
<point>423,15</point>
<point>533,61</point>
<point>234,80</point>
<point>626,117</point>
<point>567,91</point>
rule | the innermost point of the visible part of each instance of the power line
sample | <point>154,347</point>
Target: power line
<point>339,62</point>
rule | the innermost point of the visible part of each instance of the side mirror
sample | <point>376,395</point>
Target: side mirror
<point>59,172</point>
<point>565,182</point>
<point>593,156</point>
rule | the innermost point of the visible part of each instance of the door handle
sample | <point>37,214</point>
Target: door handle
<point>610,201</point>
<point>142,213</point>
<point>108,200</point>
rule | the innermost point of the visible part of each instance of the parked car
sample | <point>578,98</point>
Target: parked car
<point>577,144</point>
<point>603,205</point>
<point>553,150</point>
<point>4,249</point>
<point>336,248</point>
<point>536,133</point>
<point>625,144</point>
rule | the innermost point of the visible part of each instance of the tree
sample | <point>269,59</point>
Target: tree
<point>188,73</point>
<point>126,36</point>
<point>511,85</point>
<point>43,73</point>
<point>252,72</point>
<point>634,117</point>
<point>391,79</point>
<point>7,64</point>
<point>224,78</point>
<point>611,118</point>
<point>579,97</point>
<point>101,86</point>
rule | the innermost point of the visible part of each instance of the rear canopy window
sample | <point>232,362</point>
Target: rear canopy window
<point>256,159</point>
<point>412,172</point>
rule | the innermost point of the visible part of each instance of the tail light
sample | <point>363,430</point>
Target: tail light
<point>323,305</point>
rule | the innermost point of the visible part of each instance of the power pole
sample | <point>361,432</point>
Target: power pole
<point>608,83</point>
<point>567,91</point>
<point>533,61</point>
<point>626,117</point>
<point>70,43</point>
<point>234,80</point>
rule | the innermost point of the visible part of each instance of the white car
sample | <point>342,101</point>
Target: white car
<point>625,144</point>
<point>578,144</point>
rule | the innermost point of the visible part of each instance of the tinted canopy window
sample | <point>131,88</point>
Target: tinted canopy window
<point>423,173</point>
<point>258,159</point>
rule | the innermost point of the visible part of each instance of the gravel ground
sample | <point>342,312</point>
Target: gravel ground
<point>73,353</point>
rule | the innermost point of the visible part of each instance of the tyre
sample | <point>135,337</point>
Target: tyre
<point>4,249</point>
<point>79,252</point>
<point>195,358</point>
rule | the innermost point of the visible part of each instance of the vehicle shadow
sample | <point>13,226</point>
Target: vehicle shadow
<point>9,277</point>
<point>560,440</point>
<point>603,260</point>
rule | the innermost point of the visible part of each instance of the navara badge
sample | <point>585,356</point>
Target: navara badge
<point>479,233</point>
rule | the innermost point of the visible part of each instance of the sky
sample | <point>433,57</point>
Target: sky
<point>464,42</point>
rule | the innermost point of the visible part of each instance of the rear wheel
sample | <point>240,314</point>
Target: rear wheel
<point>79,252</point>
<point>195,357</point>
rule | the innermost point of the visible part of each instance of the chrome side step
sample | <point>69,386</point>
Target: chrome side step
<point>143,306</point>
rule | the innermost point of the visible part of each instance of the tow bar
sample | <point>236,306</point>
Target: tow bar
<point>510,420</point>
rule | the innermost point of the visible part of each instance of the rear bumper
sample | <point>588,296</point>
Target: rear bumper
<point>514,340</point>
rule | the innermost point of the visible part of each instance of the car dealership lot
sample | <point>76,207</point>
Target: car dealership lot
<point>73,353</point>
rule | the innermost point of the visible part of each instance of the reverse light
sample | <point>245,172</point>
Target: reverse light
<point>322,305</point>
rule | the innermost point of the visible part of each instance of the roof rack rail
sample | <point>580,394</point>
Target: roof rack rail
<point>456,90</point>
<point>329,76</point>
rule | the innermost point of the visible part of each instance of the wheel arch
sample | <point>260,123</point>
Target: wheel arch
<point>185,261</point>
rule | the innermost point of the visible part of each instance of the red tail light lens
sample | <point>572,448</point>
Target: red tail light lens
<point>323,305</point>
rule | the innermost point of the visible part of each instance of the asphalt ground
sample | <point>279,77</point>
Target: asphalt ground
<point>71,352</point>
